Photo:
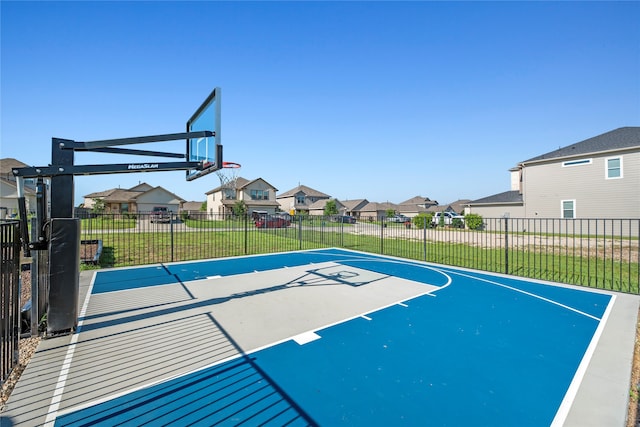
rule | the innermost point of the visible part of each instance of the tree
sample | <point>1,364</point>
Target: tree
<point>98,206</point>
<point>203,207</point>
<point>239,208</point>
<point>331,208</point>
<point>389,213</point>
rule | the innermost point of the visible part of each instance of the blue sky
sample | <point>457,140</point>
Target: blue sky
<point>376,100</point>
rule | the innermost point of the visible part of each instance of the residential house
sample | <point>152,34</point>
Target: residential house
<point>193,208</point>
<point>9,189</point>
<point>373,211</point>
<point>299,199</point>
<point>141,198</point>
<point>317,208</point>
<point>416,205</point>
<point>354,207</point>
<point>595,178</point>
<point>458,207</point>
<point>257,195</point>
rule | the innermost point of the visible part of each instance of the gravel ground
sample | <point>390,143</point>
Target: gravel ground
<point>27,347</point>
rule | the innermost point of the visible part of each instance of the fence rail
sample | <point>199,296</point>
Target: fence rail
<point>589,252</point>
<point>9,297</point>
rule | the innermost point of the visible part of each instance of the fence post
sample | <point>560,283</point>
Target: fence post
<point>171,233</point>
<point>506,244</point>
<point>424,240</point>
<point>246,233</point>
<point>382,224</point>
<point>300,232</point>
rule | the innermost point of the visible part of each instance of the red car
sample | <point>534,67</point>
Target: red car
<point>272,222</point>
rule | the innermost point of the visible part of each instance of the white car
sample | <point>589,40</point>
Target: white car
<point>449,218</point>
<point>399,218</point>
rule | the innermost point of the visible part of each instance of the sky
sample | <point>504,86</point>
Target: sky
<point>376,100</point>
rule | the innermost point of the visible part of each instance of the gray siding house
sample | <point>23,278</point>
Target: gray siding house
<point>595,178</point>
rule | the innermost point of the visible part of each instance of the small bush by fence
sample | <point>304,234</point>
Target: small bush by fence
<point>596,253</point>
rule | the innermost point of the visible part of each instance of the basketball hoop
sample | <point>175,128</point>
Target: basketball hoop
<point>228,175</point>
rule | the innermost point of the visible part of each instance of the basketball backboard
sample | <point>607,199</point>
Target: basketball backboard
<point>205,150</point>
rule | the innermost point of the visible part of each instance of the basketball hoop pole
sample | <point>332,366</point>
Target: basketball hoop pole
<point>63,237</point>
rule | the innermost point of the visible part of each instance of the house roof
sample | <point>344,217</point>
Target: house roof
<point>618,139</point>
<point>104,193</point>
<point>320,204</point>
<point>308,191</point>
<point>351,205</point>
<point>9,163</point>
<point>118,195</point>
<point>419,200</point>
<point>459,205</point>
<point>240,184</point>
<point>125,195</point>
<point>192,206</point>
<point>374,206</point>
<point>500,198</point>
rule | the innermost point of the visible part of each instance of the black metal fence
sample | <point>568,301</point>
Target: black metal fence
<point>600,253</point>
<point>9,297</point>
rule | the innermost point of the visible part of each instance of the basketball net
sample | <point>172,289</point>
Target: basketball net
<point>228,176</point>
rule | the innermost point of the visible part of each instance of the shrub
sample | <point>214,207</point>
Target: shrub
<point>422,220</point>
<point>473,221</point>
<point>457,223</point>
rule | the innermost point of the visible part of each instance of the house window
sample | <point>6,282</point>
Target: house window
<point>124,207</point>
<point>229,194</point>
<point>576,162</point>
<point>259,195</point>
<point>614,167</point>
<point>300,200</point>
<point>568,209</point>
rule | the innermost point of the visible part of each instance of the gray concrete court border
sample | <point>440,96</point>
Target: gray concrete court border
<point>135,338</point>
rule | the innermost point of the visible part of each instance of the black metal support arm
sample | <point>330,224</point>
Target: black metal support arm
<point>53,171</point>
<point>91,145</point>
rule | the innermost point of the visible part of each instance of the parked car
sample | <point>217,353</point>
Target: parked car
<point>345,219</point>
<point>160,214</point>
<point>272,221</point>
<point>399,219</point>
<point>449,218</point>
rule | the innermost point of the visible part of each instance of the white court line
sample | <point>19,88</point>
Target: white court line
<point>572,391</point>
<point>528,293</point>
<point>273,344</point>
<point>306,338</point>
<point>52,413</point>
<point>403,304</point>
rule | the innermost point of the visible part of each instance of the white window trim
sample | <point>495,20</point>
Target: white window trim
<point>562,208</point>
<point>579,162</point>
<point>606,168</point>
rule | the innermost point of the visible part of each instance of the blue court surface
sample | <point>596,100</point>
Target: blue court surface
<point>329,337</point>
